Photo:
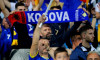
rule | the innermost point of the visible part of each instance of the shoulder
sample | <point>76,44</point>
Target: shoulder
<point>34,57</point>
<point>78,54</point>
<point>75,52</point>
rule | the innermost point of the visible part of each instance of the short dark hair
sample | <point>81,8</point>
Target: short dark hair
<point>73,34</point>
<point>58,7</point>
<point>59,50</point>
<point>85,28</point>
<point>19,4</point>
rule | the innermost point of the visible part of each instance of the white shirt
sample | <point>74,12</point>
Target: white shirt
<point>12,6</point>
<point>30,6</point>
<point>92,48</point>
<point>97,10</point>
<point>2,15</point>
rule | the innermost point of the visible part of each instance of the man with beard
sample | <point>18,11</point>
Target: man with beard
<point>87,35</point>
<point>39,48</point>
<point>45,31</point>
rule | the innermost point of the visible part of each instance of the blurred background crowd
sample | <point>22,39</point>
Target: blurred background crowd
<point>15,42</point>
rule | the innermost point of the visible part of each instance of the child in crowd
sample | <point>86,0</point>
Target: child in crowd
<point>61,54</point>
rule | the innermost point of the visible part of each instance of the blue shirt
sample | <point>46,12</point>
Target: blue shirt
<point>38,57</point>
<point>6,40</point>
<point>80,52</point>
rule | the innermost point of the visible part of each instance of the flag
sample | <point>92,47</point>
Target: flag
<point>54,16</point>
<point>17,17</point>
<point>15,38</point>
<point>99,33</point>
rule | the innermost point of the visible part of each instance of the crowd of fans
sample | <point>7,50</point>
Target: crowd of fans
<point>56,41</point>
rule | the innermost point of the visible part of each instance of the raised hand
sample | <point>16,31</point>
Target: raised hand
<point>42,19</point>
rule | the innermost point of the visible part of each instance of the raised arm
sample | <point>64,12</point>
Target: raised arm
<point>7,3</point>
<point>36,36</point>
<point>4,10</point>
<point>93,18</point>
<point>97,9</point>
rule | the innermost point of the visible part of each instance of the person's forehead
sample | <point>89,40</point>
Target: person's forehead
<point>62,53</point>
<point>93,55</point>
<point>21,7</point>
<point>45,28</point>
<point>43,40</point>
<point>90,30</point>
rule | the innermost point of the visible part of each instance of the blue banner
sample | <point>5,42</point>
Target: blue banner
<point>57,16</point>
<point>30,29</point>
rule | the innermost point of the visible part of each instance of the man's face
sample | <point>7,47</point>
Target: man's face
<point>89,36</point>
<point>45,32</point>
<point>43,46</point>
<point>5,24</point>
<point>93,56</point>
<point>62,56</point>
<point>20,8</point>
<point>77,40</point>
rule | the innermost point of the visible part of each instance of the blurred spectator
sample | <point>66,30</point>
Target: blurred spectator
<point>0,36</point>
<point>45,31</point>
<point>24,41</point>
<point>81,51</point>
<point>76,39</point>
<point>61,54</point>
<point>92,55</point>
<point>39,48</point>
<point>20,6</point>
<point>58,31</point>
<point>6,39</point>
<point>97,9</point>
